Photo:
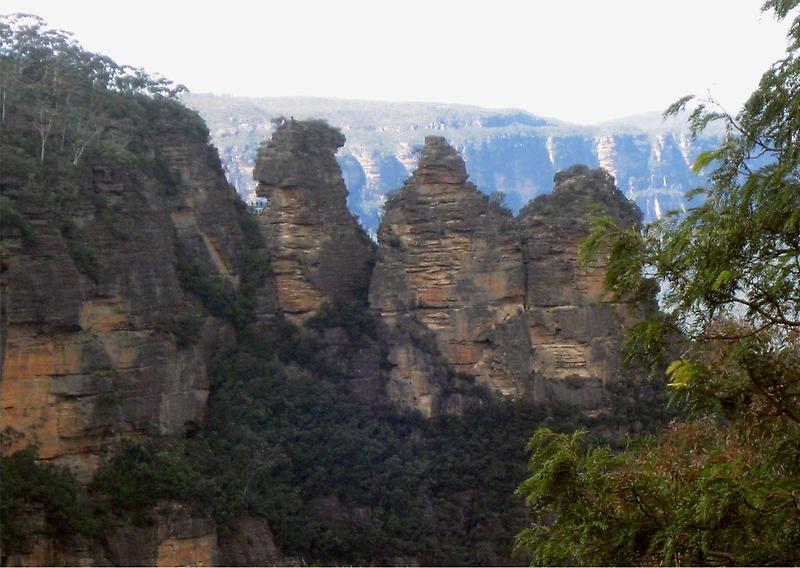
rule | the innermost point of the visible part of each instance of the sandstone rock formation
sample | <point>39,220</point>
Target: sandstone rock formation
<point>90,311</point>
<point>174,537</point>
<point>319,252</point>
<point>248,541</point>
<point>449,260</point>
<point>504,300</point>
<point>575,328</point>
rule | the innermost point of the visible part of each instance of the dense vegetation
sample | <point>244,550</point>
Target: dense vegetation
<point>64,111</point>
<point>338,480</point>
<point>58,101</point>
<point>724,486</point>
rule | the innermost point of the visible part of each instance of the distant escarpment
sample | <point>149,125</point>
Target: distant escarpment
<point>509,150</point>
<point>504,300</point>
<point>319,252</point>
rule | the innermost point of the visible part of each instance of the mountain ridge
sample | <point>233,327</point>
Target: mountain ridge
<point>511,151</point>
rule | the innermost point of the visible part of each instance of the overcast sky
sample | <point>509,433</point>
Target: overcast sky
<point>582,61</point>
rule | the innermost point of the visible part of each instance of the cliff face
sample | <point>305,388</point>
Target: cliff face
<point>504,299</point>
<point>449,260</point>
<point>174,537</point>
<point>100,340</point>
<point>575,329</point>
<point>319,252</point>
<point>110,318</point>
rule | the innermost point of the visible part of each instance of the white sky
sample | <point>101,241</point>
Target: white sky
<point>582,61</point>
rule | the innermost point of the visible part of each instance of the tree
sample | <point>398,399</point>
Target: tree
<point>724,486</point>
<point>51,87</point>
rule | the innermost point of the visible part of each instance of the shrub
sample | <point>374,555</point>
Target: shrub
<point>11,217</point>
<point>32,491</point>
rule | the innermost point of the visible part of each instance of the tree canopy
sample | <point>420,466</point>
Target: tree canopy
<point>722,487</point>
<point>57,94</point>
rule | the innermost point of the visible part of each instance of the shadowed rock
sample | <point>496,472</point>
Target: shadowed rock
<point>93,358</point>
<point>319,251</point>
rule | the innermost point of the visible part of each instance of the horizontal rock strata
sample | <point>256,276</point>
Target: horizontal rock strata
<point>505,301</point>
<point>319,251</point>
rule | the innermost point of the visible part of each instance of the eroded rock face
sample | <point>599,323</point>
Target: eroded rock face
<point>248,541</point>
<point>90,359</point>
<point>504,300</point>
<point>176,537</point>
<point>450,260</point>
<point>319,252</point>
<point>575,328</point>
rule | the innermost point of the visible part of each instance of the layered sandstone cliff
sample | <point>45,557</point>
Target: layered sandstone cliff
<point>319,252</point>
<point>100,340</point>
<point>575,327</point>
<point>504,300</point>
<point>175,536</point>
<point>450,261</point>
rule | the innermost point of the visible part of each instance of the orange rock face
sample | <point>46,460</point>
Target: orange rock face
<point>450,260</point>
<point>192,551</point>
<point>575,328</point>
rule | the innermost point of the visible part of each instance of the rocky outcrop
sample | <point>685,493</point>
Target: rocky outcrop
<point>319,252</point>
<point>248,541</point>
<point>575,328</point>
<point>450,261</point>
<point>502,301</point>
<point>100,340</point>
<point>173,537</point>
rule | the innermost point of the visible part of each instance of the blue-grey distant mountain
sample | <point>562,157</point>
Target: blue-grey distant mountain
<point>511,151</point>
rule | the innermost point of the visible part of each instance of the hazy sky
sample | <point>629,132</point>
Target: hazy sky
<point>579,60</point>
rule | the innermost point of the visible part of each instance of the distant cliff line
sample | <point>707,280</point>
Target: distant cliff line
<point>509,151</point>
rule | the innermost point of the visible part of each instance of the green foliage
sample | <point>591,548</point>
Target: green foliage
<point>498,199</point>
<point>256,267</point>
<point>352,316</point>
<point>220,299</point>
<point>80,250</point>
<point>186,327</point>
<point>700,494</point>
<point>724,486</point>
<point>38,497</point>
<point>85,258</point>
<point>60,102</point>
<point>209,288</point>
<point>10,217</point>
<point>139,476</point>
<point>314,452</point>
